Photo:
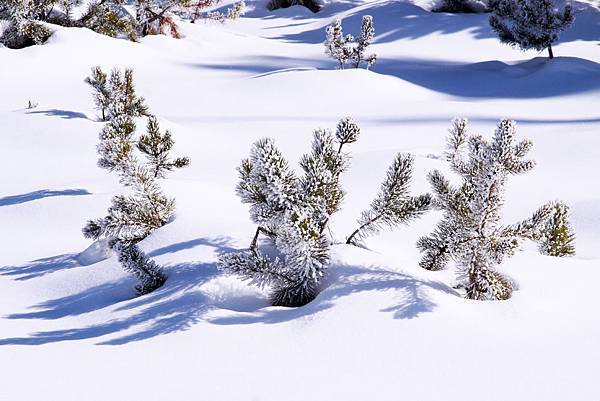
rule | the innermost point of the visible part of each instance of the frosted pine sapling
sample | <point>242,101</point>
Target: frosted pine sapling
<point>558,237</point>
<point>292,213</point>
<point>470,232</point>
<point>134,216</point>
<point>344,48</point>
<point>393,205</point>
<point>530,24</point>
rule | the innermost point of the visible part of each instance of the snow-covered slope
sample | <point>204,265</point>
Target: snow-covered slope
<point>382,328</point>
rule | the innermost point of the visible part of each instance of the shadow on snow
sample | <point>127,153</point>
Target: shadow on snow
<point>44,193</point>
<point>64,114</point>
<point>181,303</point>
<point>395,20</point>
<point>412,294</point>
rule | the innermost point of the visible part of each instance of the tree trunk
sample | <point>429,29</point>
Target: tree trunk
<point>550,51</point>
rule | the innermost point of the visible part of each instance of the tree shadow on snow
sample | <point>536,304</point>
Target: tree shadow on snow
<point>395,20</point>
<point>174,307</point>
<point>64,114</point>
<point>41,267</point>
<point>412,294</point>
<point>44,193</point>
<point>536,78</point>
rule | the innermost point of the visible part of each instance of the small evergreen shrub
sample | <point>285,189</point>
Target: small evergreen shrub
<point>133,216</point>
<point>347,48</point>
<point>292,213</point>
<point>470,232</point>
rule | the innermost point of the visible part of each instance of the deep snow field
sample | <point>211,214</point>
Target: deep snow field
<point>382,328</point>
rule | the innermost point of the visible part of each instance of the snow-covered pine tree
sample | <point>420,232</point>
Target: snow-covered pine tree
<point>336,44</point>
<point>132,217</point>
<point>343,48</point>
<point>558,237</point>
<point>156,147</point>
<point>362,42</point>
<point>470,232</point>
<point>393,205</point>
<point>530,24</point>
<point>292,213</point>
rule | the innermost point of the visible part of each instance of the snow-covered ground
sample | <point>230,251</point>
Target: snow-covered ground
<point>382,328</point>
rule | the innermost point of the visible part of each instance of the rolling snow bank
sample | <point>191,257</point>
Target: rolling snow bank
<point>382,328</point>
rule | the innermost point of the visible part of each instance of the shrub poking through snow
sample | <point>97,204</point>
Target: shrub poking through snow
<point>530,24</point>
<point>108,17</point>
<point>393,205</point>
<point>470,232</point>
<point>558,237</point>
<point>115,95</point>
<point>133,216</point>
<point>344,48</point>
<point>292,213</point>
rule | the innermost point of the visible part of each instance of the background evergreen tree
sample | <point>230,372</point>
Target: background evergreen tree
<point>26,18</point>
<point>24,23</point>
<point>530,24</point>
<point>393,205</point>
<point>470,231</point>
<point>292,213</point>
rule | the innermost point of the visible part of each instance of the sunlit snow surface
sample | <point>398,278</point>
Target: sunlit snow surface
<point>382,328</point>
